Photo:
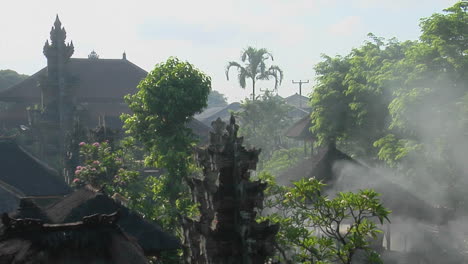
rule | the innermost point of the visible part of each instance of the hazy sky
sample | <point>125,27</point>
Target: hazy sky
<point>208,33</point>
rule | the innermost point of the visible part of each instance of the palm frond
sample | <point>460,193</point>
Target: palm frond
<point>243,75</point>
<point>263,76</point>
<point>265,54</point>
<point>248,53</point>
<point>262,67</point>
<point>232,64</point>
<point>276,73</point>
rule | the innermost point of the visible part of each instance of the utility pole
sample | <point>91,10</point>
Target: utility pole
<point>300,82</point>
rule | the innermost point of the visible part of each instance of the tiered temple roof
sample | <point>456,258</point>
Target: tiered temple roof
<point>93,239</point>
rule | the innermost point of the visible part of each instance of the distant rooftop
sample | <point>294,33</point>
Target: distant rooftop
<point>297,100</point>
<point>95,79</point>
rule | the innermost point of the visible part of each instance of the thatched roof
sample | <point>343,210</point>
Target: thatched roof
<point>318,166</point>
<point>87,201</point>
<point>301,129</point>
<point>401,201</point>
<point>94,239</point>
<point>342,173</point>
<point>28,174</point>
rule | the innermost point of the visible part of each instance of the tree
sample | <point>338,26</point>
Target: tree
<point>216,99</point>
<point>318,229</point>
<point>350,100</point>
<point>255,68</point>
<point>283,159</point>
<point>427,111</point>
<point>165,102</point>
<point>403,103</point>
<point>264,122</point>
<point>9,78</point>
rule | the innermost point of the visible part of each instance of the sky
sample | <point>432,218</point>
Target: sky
<point>209,33</point>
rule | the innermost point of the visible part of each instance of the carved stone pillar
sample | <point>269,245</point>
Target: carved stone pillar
<point>227,231</point>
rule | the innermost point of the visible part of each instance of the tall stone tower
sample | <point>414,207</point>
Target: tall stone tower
<point>227,231</point>
<point>55,93</point>
<point>54,120</point>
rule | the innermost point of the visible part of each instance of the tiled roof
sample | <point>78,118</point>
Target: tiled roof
<point>211,114</point>
<point>298,101</point>
<point>95,80</point>
<point>26,173</point>
<point>93,239</point>
<point>87,201</point>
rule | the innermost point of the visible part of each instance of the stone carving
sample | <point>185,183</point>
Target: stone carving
<point>23,225</point>
<point>227,231</point>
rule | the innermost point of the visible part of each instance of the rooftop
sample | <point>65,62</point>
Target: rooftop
<point>26,173</point>
<point>93,239</point>
<point>97,80</point>
<point>88,201</point>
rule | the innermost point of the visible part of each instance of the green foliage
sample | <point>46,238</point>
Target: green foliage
<point>9,78</point>
<point>392,149</point>
<point>318,229</point>
<point>350,100</point>
<point>165,102</point>
<point>263,123</point>
<point>255,68</point>
<point>448,33</point>
<point>216,99</point>
<point>117,171</point>
<point>401,102</point>
<point>103,167</point>
<point>283,159</point>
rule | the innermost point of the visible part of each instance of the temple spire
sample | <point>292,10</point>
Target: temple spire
<point>57,23</point>
<point>57,46</point>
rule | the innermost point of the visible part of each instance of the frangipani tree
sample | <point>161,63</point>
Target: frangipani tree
<point>255,68</point>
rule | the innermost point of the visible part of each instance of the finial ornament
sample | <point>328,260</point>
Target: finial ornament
<point>57,41</point>
<point>57,22</point>
<point>93,55</point>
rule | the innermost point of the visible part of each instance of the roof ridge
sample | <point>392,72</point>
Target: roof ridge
<point>96,60</point>
<point>40,162</point>
<point>15,225</point>
<point>12,190</point>
<point>135,66</point>
<point>33,76</point>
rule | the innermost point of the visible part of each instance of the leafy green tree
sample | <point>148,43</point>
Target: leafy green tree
<point>9,78</point>
<point>350,100</point>
<point>263,122</point>
<point>402,102</point>
<point>255,68</point>
<point>216,99</point>
<point>318,229</point>
<point>427,111</point>
<point>116,168</point>
<point>283,159</point>
<point>165,102</point>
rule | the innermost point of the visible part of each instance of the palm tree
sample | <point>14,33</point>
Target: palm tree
<point>255,68</point>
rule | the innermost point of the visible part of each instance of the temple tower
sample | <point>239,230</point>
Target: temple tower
<point>55,118</point>
<point>55,94</point>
